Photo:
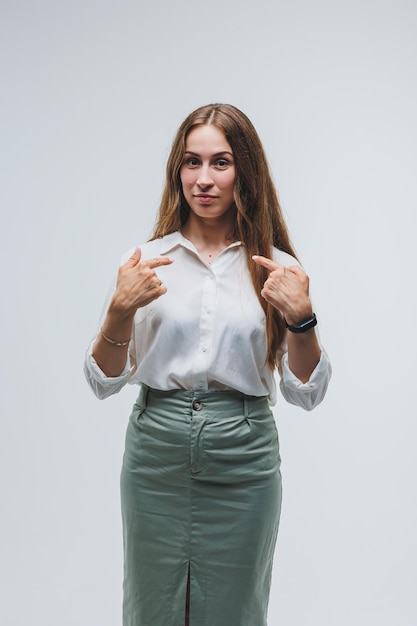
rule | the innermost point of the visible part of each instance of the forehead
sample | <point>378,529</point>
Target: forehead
<point>207,138</point>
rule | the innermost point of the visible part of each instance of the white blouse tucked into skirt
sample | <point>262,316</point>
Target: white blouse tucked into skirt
<point>206,333</point>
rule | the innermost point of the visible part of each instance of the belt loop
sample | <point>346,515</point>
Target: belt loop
<point>143,394</point>
<point>245,407</point>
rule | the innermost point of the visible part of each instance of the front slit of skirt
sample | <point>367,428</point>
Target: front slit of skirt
<point>187,600</point>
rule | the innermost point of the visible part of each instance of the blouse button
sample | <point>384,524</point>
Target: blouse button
<point>197,405</point>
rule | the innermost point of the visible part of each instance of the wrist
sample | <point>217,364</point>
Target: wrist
<point>298,314</point>
<point>119,343</point>
<point>118,324</point>
<point>117,313</point>
<point>303,326</point>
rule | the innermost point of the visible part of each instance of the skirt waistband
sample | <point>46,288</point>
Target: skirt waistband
<point>195,400</point>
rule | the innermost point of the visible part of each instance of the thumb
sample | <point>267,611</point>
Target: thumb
<point>134,259</point>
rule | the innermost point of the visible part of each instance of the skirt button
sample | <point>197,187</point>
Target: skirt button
<point>197,405</point>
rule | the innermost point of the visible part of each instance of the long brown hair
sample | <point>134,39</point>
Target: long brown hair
<point>259,221</point>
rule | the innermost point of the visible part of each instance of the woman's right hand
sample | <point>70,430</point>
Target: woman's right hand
<point>137,284</point>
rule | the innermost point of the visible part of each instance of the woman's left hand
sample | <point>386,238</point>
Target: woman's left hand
<point>287,289</point>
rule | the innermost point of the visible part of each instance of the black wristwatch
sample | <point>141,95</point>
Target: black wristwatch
<point>303,326</point>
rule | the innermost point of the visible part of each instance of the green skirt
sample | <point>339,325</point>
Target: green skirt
<point>201,499</point>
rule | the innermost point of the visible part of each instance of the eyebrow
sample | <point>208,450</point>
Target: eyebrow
<point>214,155</point>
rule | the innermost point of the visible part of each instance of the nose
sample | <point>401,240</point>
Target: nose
<point>204,178</point>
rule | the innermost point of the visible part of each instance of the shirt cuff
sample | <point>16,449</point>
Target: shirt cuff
<point>102,385</point>
<point>309,394</point>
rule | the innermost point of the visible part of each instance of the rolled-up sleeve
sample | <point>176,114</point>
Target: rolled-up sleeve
<point>104,386</point>
<point>305,395</point>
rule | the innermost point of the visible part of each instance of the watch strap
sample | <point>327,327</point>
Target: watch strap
<point>302,327</point>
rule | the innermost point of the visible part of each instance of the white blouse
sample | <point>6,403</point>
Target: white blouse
<point>206,333</point>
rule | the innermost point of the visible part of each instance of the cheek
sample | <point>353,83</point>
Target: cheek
<point>186,179</point>
<point>230,183</point>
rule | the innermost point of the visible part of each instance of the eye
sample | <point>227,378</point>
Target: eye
<point>191,162</point>
<point>222,163</point>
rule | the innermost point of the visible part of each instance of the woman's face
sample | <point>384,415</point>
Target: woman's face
<point>208,172</point>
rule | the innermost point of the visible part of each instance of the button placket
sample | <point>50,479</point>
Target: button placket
<point>208,303</point>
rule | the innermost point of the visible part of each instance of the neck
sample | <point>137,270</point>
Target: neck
<point>208,238</point>
<point>212,233</point>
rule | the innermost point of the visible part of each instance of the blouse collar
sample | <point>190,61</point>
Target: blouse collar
<point>169,242</point>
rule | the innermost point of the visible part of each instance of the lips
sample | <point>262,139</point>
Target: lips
<point>203,198</point>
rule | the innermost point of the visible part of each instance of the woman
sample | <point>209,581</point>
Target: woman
<point>200,317</point>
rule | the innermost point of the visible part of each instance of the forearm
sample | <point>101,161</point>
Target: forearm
<point>303,353</point>
<point>110,357</point>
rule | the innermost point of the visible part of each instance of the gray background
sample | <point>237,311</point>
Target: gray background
<point>92,94</point>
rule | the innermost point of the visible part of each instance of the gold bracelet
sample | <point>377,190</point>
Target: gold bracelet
<point>114,343</point>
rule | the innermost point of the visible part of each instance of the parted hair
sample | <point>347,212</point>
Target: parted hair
<point>259,222</point>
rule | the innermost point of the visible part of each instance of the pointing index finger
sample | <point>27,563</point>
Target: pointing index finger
<point>268,263</point>
<point>162,260</point>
